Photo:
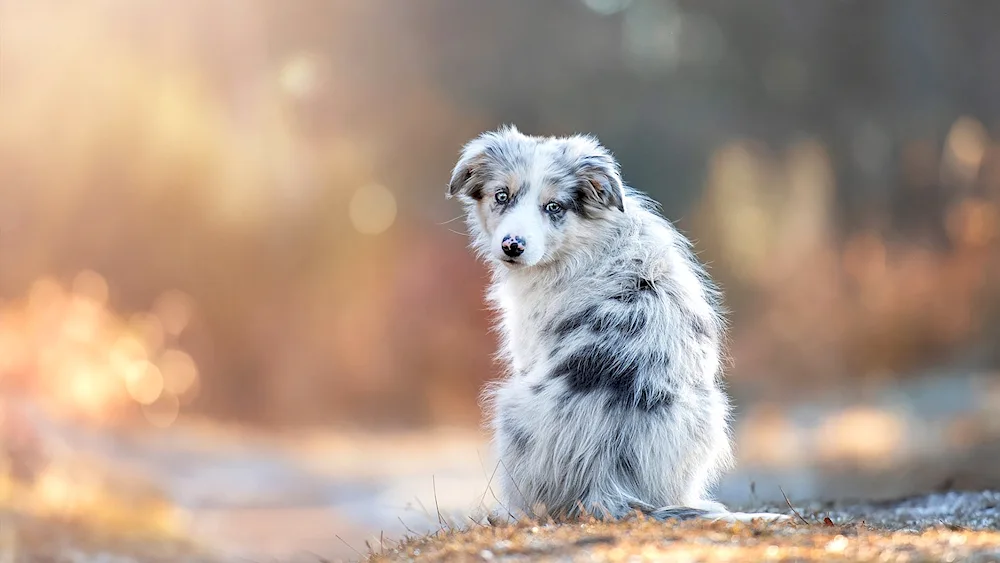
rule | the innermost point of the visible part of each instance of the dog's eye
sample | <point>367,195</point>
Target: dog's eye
<point>502,196</point>
<point>553,207</point>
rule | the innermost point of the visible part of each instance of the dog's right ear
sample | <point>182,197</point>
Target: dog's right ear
<point>470,173</point>
<point>467,178</point>
<point>478,156</point>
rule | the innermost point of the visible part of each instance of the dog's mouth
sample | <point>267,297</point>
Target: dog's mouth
<point>512,262</point>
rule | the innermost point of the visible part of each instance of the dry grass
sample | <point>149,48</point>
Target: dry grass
<point>647,540</point>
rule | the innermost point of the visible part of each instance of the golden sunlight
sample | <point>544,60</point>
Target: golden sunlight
<point>144,382</point>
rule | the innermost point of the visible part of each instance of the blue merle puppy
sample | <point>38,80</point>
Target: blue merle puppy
<point>611,332</point>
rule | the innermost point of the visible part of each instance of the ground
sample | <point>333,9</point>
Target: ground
<point>35,539</point>
<point>952,526</point>
<point>940,527</point>
<point>200,493</point>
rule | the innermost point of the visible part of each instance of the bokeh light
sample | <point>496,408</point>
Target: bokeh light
<point>180,374</point>
<point>372,209</point>
<point>90,285</point>
<point>148,328</point>
<point>126,352</point>
<point>144,382</point>
<point>87,362</point>
<point>965,146</point>
<point>162,412</point>
<point>299,75</point>
<point>607,7</point>
<point>973,222</point>
<point>174,309</point>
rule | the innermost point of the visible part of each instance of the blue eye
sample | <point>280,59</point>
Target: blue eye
<point>502,196</point>
<point>553,207</point>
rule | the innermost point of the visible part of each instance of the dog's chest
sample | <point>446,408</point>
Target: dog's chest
<point>526,313</point>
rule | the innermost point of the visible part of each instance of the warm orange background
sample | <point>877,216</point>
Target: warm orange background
<point>233,211</point>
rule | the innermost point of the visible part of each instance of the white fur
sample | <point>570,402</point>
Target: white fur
<point>609,329</point>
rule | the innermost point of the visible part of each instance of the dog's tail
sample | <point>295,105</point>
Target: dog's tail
<point>678,513</point>
<point>683,513</point>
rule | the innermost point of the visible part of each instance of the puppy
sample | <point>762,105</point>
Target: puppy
<point>610,330</point>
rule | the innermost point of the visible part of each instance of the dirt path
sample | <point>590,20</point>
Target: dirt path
<point>266,498</point>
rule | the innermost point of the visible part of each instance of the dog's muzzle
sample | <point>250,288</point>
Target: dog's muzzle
<point>513,246</point>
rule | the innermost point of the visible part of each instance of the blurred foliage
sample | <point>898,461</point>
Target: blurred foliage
<point>277,171</point>
<point>71,510</point>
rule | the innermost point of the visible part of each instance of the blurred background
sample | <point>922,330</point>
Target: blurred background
<point>231,287</point>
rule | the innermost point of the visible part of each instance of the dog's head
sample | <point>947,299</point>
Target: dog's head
<point>531,199</point>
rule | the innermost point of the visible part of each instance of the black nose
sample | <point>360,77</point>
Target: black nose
<point>512,246</point>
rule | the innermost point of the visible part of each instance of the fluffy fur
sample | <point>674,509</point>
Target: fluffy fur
<point>611,332</point>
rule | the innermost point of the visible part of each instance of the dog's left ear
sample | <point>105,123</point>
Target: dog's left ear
<point>601,178</point>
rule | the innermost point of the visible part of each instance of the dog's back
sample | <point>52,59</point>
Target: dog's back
<point>613,402</point>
